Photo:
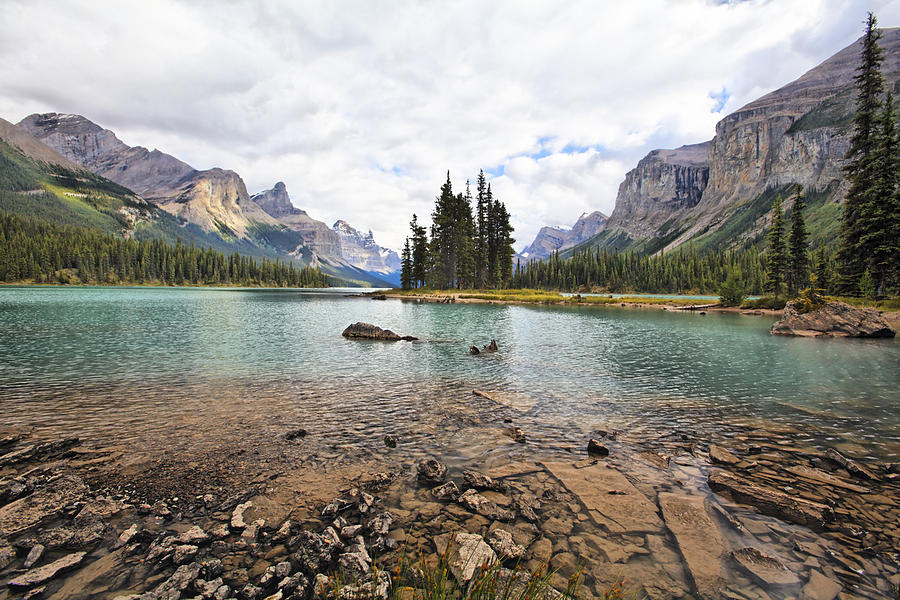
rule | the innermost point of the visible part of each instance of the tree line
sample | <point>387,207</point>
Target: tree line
<point>466,249</point>
<point>32,250</point>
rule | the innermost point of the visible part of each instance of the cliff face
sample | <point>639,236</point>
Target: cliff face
<point>799,133</point>
<point>360,250</point>
<point>665,184</point>
<point>276,203</point>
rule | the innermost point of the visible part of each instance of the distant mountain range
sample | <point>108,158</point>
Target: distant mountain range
<point>553,239</point>
<point>718,194</point>
<point>210,207</point>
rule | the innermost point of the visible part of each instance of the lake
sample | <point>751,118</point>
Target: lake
<point>131,363</point>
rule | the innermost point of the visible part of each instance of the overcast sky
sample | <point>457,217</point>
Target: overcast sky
<point>362,107</point>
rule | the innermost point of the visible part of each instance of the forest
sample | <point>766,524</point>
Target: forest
<point>39,252</point>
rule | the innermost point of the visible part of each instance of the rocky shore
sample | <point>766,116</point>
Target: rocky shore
<point>761,514</point>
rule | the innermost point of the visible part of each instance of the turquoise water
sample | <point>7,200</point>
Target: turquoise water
<point>135,364</point>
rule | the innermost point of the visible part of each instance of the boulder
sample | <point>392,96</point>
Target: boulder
<point>503,544</point>
<point>447,492</point>
<point>468,553</point>
<point>367,331</point>
<point>480,481</point>
<point>835,319</point>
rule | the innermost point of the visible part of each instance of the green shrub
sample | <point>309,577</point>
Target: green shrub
<point>732,292</point>
<point>766,302</point>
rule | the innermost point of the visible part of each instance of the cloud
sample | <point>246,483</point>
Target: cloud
<point>362,107</point>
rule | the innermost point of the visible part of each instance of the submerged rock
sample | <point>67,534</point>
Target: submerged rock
<point>835,319</point>
<point>447,492</point>
<point>484,507</point>
<point>720,455</point>
<point>699,540</point>
<point>367,331</point>
<point>772,502</point>
<point>596,448</point>
<point>43,574</point>
<point>767,571</point>
<point>431,471</point>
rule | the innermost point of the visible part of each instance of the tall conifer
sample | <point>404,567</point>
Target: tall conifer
<point>776,253</point>
<point>798,247</point>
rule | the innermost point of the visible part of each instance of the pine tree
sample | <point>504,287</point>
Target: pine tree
<point>798,247</point>
<point>862,169</point>
<point>420,266</point>
<point>776,253</point>
<point>481,235</point>
<point>406,266</point>
<point>879,220</point>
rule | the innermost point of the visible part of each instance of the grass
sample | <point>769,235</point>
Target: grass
<point>530,296</point>
<point>886,304</point>
<point>433,579</point>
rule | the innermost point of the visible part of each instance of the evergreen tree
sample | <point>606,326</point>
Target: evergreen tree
<point>861,171</point>
<point>443,238</point>
<point>481,235</point>
<point>776,253</point>
<point>420,265</point>
<point>879,220</point>
<point>406,266</point>
<point>798,246</point>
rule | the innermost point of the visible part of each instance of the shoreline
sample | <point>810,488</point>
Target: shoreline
<point>609,514</point>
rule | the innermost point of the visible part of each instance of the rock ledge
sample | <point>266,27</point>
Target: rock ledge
<point>835,319</point>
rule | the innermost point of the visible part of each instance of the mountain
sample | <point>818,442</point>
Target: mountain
<point>212,206</point>
<point>360,250</point>
<point>551,239</point>
<point>718,194</point>
<point>316,235</point>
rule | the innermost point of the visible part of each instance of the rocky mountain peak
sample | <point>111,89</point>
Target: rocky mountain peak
<point>361,250</point>
<point>276,201</point>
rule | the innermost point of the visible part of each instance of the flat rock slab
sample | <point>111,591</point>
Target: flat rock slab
<point>41,506</point>
<point>43,574</point>
<point>826,478</point>
<point>766,570</point>
<point>699,540</point>
<point>612,501</point>
<point>720,455</point>
<point>820,587</point>
<point>772,502</point>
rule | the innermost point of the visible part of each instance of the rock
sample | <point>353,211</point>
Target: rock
<point>350,531</point>
<point>492,347</point>
<point>720,455</point>
<point>34,555</point>
<point>237,517</point>
<point>699,540</point>
<point>835,319</point>
<point>295,434</point>
<point>194,535</point>
<point>447,492</point>
<point>7,555</point>
<point>184,554</point>
<point>826,478</point>
<point>390,441</point>
<point>627,510</point>
<point>354,565</point>
<point>596,448</point>
<point>765,570</point>
<point>250,592</point>
<point>40,575</point>
<point>852,466</point>
<point>484,507</point>
<point>367,331</point>
<point>128,535</point>
<point>772,502</point>
<point>381,524</point>
<point>314,552</point>
<point>371,587</point>
<point>502,543</point>
<point>467,553</point>
<point>480,481</point>
<point>212,568</point>
<point>431,471</point>
<point>820,587</point>
<point>474,351</point>
<point>516,434</point>
<point>44,504</point>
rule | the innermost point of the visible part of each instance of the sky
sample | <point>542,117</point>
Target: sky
<point>361,107</point>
